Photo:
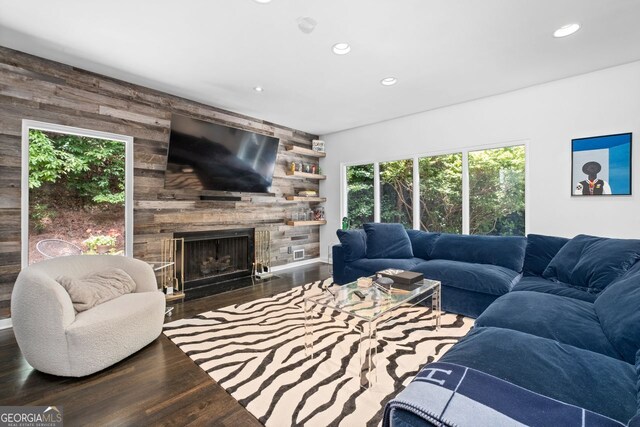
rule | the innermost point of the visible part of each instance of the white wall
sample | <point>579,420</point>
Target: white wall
<point>548,116</point>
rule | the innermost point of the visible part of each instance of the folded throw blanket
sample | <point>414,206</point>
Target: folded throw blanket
<point>446,394</point>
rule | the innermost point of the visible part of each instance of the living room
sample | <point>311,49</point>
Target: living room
<point>325,90</point>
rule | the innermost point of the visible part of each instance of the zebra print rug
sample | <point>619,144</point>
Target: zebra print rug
<point>255,351</point>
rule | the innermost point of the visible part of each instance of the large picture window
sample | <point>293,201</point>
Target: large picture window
<point>496,191</point>
<point>472,191</point>
<point>360,194</point>
<point>396,192</point>
<point>441,193</point>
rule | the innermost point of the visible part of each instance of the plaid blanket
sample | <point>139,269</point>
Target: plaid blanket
<point>445,394</point>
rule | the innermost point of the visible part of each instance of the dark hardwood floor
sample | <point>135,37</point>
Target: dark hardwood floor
<point>159,385</point>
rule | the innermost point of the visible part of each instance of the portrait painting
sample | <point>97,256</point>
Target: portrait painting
<point>601,165</point>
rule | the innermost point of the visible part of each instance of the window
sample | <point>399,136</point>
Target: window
<point>78,192</point>
<point>441,193</point>
<point>496,191</point>
<point>396,192</point>
<point>360,195</point>
<point>471,192</point>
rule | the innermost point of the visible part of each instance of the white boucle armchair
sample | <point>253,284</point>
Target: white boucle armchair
<point>56,340</point>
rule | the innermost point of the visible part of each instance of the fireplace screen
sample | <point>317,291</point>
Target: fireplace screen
<point>217,256</point>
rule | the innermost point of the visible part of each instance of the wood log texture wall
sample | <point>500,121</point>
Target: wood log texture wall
<point>38,89</point>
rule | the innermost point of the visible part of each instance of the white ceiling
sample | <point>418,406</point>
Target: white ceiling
<point>443,52</point>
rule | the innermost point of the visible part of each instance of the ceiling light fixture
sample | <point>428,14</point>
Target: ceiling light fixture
<point>388,81</point>
<point>566,30</point>
<point>258,89</point>
<point>262,1</point>
<point>341,48</point>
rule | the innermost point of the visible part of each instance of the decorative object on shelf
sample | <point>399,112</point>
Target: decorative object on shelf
<point>292,167</point>
<point>318,213</point>
<point>262,263</point>
<point>317,145</point>
<point>314,169</point>
<point>298,167</point>
<point>308,193</point>
<point>306,168</point>
<point>601,165</point>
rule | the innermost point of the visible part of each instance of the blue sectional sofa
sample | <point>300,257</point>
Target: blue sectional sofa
<point>473,270</point>
<point>560,347</point>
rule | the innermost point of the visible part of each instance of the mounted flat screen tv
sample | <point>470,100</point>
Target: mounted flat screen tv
<point>208,156</point>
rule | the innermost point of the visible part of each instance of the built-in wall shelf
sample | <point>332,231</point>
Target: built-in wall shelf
<point>305,223</point>
<point>303,175</point>
<point>307,199</point>
<point>305,151</point>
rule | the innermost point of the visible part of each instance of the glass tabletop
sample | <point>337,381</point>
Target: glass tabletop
<point>377,301</point>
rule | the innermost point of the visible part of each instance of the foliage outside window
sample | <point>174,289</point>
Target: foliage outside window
<point>441,193</point>
<point>76,192</point>
<point>359,195</point>
<point>396,192</point>
<point>496,191</point>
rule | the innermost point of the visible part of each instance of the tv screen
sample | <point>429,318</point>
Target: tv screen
<point>208,156</point>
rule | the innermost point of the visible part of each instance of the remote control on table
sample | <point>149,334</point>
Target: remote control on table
<point>359,294</point>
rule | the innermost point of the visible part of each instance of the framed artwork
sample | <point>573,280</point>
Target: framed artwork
<point>318,145</point>
<point>601,165</point>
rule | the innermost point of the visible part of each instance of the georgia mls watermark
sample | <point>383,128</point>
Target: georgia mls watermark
<point>30,416</point>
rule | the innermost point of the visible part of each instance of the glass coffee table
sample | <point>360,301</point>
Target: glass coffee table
<point>377,307</point>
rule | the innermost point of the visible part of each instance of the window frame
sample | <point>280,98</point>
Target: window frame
<point>416,180</point>
<point>27,125</point>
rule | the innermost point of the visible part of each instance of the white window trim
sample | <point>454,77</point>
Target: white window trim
<point>416,180</point>
<point>27,125</point>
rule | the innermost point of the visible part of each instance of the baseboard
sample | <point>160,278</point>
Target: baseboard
<point>5,323</point>
<point>296,264</point>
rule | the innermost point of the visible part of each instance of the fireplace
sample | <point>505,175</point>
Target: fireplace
<point>215,256</point>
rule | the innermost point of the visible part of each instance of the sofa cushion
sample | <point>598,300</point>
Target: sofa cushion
<point>483,278</point>
<point>422,243</point>
<point>593,262</point>
<point>539,253</point>
<point>618,308</point>
<point>505,251</point>
<point>567,320</point>
<point>368,267</point>
<point>387,241</point>
<point>539,284</point>
<point>97,288</point>
<point>572,375</point>
<point>353,244</point>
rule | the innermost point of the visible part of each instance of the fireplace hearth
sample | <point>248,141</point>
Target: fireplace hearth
<point>216,256</point>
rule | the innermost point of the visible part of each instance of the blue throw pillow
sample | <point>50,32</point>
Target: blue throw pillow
<point>593,262</point>
<point>618,309</point>
<point>540,251</point>
<point>387,241</point>
<point>353,244</point>
<point>422,243</point>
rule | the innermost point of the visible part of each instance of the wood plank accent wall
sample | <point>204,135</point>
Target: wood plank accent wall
<point>39,89</point>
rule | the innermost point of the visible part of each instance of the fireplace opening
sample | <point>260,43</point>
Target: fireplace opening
<point>215,256</point>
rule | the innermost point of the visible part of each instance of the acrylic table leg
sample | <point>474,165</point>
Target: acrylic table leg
<point>436,306</point>
<point>308,330</point>
<point>368,365</point>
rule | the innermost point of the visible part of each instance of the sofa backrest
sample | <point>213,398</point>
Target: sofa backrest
<point>505,251</point>
<point>540,251</point>
<point>618,310</point>
<point>422,243</point>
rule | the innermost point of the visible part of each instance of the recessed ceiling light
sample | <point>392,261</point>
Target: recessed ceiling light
<point>341,48</point>
<point>566,30</point>
<point>388,81</point>
<point>262,1</point>
<point>258,88</point>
